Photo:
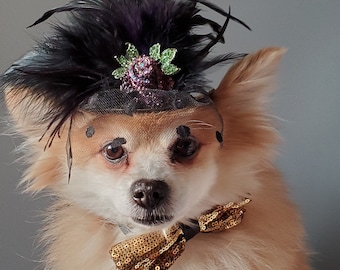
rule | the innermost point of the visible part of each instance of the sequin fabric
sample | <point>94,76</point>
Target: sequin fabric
<point>224,217</point>
<point>159,250</point>
<point>156,250</point>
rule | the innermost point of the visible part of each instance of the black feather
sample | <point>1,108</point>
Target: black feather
<point>77,60</point>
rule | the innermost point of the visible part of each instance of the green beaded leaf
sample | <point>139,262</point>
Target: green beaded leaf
<point>123,61</point>
<point>131,52</point>
<point>168,55</point>
<point>119,73</point>
<point>155,52</point>
<point>170,69</point>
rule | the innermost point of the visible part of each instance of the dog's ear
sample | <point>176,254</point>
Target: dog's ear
<point>240,100</point>
<point>247,84</point>
<point>26,106</point>
<point>27,87</point>
<point>26,110</point>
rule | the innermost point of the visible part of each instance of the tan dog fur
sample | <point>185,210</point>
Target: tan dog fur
<point>81,225</point>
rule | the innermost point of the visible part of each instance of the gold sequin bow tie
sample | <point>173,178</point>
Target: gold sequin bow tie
<point>159,250</point>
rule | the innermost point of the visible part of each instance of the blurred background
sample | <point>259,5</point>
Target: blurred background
<point>307,105</point>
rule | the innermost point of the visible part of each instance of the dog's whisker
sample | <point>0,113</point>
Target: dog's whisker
<point>197,121</point>
<point>199,124</point>
<point>201,128</point>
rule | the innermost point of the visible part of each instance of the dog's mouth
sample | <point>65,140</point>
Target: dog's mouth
<point>153,220</point>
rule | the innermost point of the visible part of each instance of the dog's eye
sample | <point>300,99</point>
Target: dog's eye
<point>184,149</point>
<point>114,153</point>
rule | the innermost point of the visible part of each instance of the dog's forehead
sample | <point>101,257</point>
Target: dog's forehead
<point>149,126</point>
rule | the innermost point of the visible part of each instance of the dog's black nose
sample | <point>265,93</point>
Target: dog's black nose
<point>149,193</point>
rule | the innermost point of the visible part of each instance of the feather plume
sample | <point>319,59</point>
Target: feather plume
<point>77,60</point>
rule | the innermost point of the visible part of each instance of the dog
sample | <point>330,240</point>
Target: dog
<point>129,174</point>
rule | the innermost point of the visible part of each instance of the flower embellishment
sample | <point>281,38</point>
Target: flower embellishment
<point>140,72</point>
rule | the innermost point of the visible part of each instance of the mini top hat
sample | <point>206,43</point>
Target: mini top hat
<point>127,56</point>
